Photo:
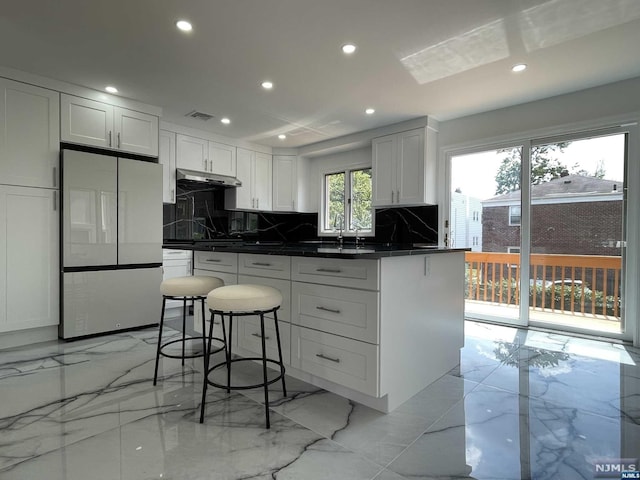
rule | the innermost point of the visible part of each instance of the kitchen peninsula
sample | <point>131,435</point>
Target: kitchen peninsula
<point>373,323</point>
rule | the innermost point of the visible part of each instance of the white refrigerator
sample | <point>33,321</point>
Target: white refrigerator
<point>111,245</point>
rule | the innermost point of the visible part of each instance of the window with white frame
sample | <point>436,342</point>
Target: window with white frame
<point>347,202</point>
<point>514,215</point>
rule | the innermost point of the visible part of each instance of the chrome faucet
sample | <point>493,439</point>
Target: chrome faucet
<point>340,236</point>
<point>357,238</point>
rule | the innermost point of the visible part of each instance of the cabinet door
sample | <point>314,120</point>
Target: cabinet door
<point>244,197</point>
<point>167,157</point>
<point>383,171</point>
<point>262,181</point>
<point>191,153</point>
<point>222,159</point>
<point>29,258</point>
<point>139,212</point>
<point>284,183</point>
<point>228,279</point>
<point>29,135</point>
<point>410,168</point>
<point>135,132</point>
<point>86,122</point>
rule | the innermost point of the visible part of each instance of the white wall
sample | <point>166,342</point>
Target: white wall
<point>585,106</point>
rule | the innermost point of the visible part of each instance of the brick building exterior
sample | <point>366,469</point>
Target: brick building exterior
<point>569,215</point>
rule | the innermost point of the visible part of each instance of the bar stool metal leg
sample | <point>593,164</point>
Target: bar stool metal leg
<point>155,374</point>
<point>229,352</point>
<point>184,324</point>
<point>275,320</point>
<point>264,370</point>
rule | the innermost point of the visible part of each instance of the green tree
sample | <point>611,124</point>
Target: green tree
<point>335,217</point>
<point>544,167</point>
<point>361,199</point>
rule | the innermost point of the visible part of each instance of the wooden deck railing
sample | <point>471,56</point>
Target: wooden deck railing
<point>578,284</point>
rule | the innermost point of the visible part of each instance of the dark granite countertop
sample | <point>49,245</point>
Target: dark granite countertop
<point>314,249</point>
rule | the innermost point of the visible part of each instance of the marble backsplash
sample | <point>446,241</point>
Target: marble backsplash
<point>199,214</point>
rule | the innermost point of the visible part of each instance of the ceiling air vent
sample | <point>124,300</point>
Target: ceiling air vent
<point>199,115</point>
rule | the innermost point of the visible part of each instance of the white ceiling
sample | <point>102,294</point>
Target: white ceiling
<point>441,58</point>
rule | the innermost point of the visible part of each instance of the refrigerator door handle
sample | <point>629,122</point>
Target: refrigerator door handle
<point>55,201</point>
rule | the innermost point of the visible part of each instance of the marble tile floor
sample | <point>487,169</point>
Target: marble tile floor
<point>521,404</point>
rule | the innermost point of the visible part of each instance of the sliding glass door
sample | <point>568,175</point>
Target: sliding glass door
<point>485,216</point>
<point>577,233</point>
<point>545,222</point>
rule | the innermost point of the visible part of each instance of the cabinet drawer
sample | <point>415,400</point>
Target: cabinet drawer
<point>274,266</point>
<point>341,360</point>
<point>247,330</point>
<point>345,312</point>
<point>217,261</point>
<point>336,271</point>
<point>284,286</point>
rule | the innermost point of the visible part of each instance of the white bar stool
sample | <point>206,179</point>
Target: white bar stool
<point>186,288</point>
<point>240,301</point>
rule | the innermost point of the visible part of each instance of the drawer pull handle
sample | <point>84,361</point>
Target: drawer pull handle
<point>259,336</point>
<point>325,309</point>
<point>329,270</point>
<point>213,260</point>
<point>261,264</point>
<point>335,360</point>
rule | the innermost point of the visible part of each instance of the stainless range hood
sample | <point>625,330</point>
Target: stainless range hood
<point>193,176</point>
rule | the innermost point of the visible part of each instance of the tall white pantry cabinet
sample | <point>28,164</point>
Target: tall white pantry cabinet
<point>29,216</point>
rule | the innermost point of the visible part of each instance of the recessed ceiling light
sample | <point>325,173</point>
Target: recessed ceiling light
<point>225,120</point>
<point>111,89</point>
<point>370,111</point>
<point>267,85</point>
<point>184,25</point>
<point>282,136</point>
<point>519,67</point>
<point>348,48</point>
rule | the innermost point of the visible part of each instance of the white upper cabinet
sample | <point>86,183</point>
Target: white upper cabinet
<point>205,156</point>
<point>404,169</point>
<point>167,158</point>
<point>136,132</point>
<point>29,135</point>
<point>285,184</point>
<point>254,170</point>
<point>192,153</point>
<point>98,124</point>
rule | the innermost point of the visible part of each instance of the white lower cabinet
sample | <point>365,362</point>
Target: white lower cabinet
<point>175,263</point>
<point>247,332</point>
<point>342,311</point>
<point>345,361</point>
<point>29,258</point>
<point>335,317</point>
<point>222,265</point>
<point>272,271</point>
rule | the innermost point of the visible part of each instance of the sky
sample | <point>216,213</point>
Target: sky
<point>475,173</point>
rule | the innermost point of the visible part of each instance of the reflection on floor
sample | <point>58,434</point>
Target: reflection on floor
<point>522,404</point>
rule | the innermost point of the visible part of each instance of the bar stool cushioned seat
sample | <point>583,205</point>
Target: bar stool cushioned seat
<point>244,298</point>
<point>198,286</point>
<point>186,288</point>
<point>235,301</point>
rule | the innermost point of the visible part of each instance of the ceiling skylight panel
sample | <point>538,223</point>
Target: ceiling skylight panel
<point>477,47</point>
